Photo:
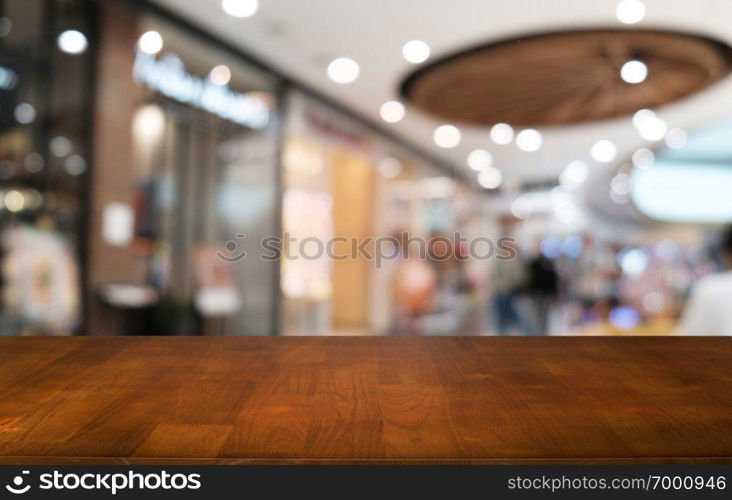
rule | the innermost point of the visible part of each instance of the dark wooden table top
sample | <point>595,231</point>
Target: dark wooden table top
<point>365,400</point>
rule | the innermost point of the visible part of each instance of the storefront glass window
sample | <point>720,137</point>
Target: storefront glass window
<point>46,54</point>
<point>199,180</point>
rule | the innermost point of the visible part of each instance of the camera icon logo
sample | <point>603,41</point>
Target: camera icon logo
<point>233,252</point>
<point>17,486</point>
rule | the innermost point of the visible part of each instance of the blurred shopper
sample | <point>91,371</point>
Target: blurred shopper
<point>543,286</point>
<point>584,271</point>
<point>414,289</point>
<point>508,279</point>
<point>450,303</point>
<point>596,276</point>
<point>708,311</point>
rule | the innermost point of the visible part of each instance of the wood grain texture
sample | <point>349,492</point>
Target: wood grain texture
<point>566,77</point>
<point>365,400</point>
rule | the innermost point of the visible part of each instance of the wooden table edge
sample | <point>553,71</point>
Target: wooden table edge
<point>36,460</point>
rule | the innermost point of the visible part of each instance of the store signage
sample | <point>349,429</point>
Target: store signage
<point>168,76</point>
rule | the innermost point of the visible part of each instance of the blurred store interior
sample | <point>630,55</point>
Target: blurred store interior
<point>282,167</point>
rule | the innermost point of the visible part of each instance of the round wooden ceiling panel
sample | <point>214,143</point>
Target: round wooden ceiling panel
<point>566,77</point>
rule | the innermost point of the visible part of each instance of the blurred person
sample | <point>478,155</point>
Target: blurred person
<point>450,302</point>
<point>596,274</point>
<point>542,289</point>
<point>415,285</point>
<point>508,279</point>
<point>708,310</point>
<point>583,273</point>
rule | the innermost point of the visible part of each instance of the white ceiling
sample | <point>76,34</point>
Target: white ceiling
<point>300,37</point>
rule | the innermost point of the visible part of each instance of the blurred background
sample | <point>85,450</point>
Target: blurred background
<point>150,151</point>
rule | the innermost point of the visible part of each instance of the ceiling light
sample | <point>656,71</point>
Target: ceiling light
<point>630,11</point>
<point>390,167</point>
<point>620,184</point>
<point>522,207</point>
<point>529,140</point>
<point>603,151</point>
<point>676,138</point>
<point>641,116</point>
<point>240,8</point>
<point>416,51</point>
<point>653,129</point>
<point>343,70</point>
<point>650,127</point>
<point>14,200</point>
<point>490,178</point>
<point>574,174</point>
<point>220,75</point>
<point>502,133</point>
<point>148,123</point>
<point>447,136</point>
<point>392,111</point>
<point>480,159</point>
<point>72,42</point>
<point>643,158</point>
<point>634,72</point>
<point>75,165</point>
<point>25,113</point>
<point>60,146</point>
<point>150,42</point>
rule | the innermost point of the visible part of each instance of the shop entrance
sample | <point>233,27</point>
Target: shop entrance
<point>353,195</point>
